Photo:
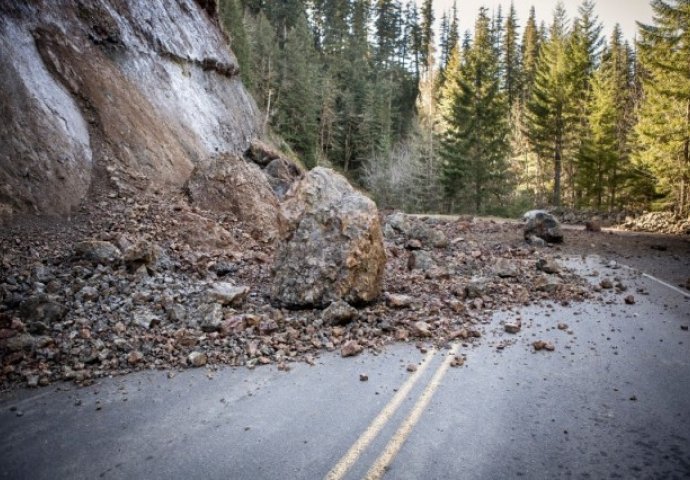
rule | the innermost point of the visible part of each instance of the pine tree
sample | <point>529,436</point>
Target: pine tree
<point>550,110</point>
<point>475,141</point>
<point>298,105</point>
<point>232,19</point>
<point>387,32</point>
<point>511,57</point>
<point>664,117</point>
<point>583,50</point>
<point>427,35</point>
<point>265,64</point>
<point>529,53</point>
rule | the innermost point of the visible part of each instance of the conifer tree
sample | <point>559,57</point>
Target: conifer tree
<point>298,105</point>
<point>511,57</point>
<point>529,53</point>
<point>232,19</point>
<point>427,35</point>
<point>551,110</point>
<point>475,141</point>
<point>664,117</point>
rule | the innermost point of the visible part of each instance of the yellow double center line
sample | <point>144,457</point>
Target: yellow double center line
<point>374,428</point>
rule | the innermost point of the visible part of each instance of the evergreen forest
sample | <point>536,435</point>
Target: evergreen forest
<point>520,113</point>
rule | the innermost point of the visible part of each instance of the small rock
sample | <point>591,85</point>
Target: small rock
<point>339,313</point>
<point>97,251</point>
<point>411,367</point>
<point>413,244</point>
<point>145,319</point>
<point>350,349</point>
<point>363,377</point>
<point>40,312</point>
<point>135,357</point>
<point>512,327</point>
<point>548,265</point>
<point>197,359</point>
<point>593,225</point>
<point>420,260</point>
<point>211,317</point>
<point>630,300</point>
<point>542,345</point>
<point>684,327</point>
<point>562,326</point>
<point>505,268</point>
<point>228,294</point>
<point>421,329</point>
<point>606,283</point>
<point>535,241</point>
<point>457,361</point>
<point>395,300</point>
<point>143,253</point>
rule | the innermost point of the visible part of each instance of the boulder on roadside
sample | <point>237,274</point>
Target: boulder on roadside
<point>333,249</point>
<point>542,225</point>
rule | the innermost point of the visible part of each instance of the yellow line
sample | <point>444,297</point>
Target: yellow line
<point>398,439</point>
<point>375,426</point>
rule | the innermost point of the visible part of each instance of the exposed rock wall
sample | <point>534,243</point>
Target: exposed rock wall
<point>105,93</point>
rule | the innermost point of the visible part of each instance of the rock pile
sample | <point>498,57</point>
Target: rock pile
<point>658,222</point>
<point>73,308</point>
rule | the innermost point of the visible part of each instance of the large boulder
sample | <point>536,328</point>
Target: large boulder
<point>333,249</point>
<point>229,183</point>
<point>542,225</point>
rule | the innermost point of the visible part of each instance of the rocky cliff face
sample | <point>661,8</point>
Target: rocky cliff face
<point>114,94</point>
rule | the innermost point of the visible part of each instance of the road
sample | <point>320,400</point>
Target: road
<point>612,401</point>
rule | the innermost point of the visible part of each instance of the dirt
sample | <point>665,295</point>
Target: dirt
<point>120,320</point>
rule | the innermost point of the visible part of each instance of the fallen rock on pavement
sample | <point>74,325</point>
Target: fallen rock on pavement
<point>334,246</point>
<point>350,349</point>
<point>512,327</point>
<point>543,345</point>
<point>542,225</point>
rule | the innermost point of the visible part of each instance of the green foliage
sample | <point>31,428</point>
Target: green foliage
<point>551,107</point>
<point>492,127</point>
<point>474,145</point>
<point>663,130</point>
<point>231,18</point>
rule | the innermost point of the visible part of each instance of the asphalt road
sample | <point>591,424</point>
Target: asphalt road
<point>612,401</point>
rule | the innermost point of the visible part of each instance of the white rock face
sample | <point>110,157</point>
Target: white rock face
<point>132,92</point>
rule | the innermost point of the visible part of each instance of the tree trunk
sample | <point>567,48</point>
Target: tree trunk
<point>557,166</point>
